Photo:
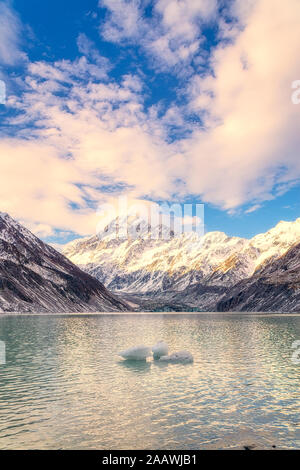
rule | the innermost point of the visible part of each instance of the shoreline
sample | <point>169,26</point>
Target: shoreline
<point>122,314</point>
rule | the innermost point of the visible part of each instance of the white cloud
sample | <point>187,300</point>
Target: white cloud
<point>172,34</point>
<point>86,135</point>
<point>89,134</point>
<point>125,19</point>
<point>178,37</point>
<point>248,149</point>
<point>40,230</point>
<point>251,143</point>
<point>38,187</point>
<point>89,50</point>
<point>253,209</point>
<point>10,36</point>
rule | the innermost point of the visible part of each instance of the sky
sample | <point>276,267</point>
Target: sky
<point>167,101</point>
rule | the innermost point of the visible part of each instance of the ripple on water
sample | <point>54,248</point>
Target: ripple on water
<point>65,387</point>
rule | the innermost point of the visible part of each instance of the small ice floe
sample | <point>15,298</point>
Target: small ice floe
<point>180,357</point>
<point>137,353</point>
<point>160,349</point>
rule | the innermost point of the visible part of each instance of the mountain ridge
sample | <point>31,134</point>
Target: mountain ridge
<point>34,277</point>
<point>273,287</point>
<point>185,269</point>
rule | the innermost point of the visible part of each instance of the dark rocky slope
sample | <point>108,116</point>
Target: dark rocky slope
<point>273,288</point>
<point>34,277</point>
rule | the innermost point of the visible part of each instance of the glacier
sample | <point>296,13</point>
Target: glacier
<point>182,273</point>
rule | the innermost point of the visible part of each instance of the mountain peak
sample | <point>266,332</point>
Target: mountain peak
<point>34,277</point>
<point>143,264</point>
<point>134,227</point>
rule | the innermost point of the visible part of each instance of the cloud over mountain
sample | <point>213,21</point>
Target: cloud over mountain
<point>228,135</point>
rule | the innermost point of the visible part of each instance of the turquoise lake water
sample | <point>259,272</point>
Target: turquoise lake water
<point>64,387</point>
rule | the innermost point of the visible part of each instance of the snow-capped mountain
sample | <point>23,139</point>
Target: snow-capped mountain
<point>147,264</point>
<point>34,277</point>
<point>274,287</point>
<point>194,270</point>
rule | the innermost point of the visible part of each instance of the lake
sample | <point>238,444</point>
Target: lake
<point>64,387</point>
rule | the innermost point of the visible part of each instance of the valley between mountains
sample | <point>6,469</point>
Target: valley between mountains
<point>192,273</point>
<point>150,271</point>
<point>35,278</point>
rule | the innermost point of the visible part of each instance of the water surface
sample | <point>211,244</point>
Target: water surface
<point>64,387</point>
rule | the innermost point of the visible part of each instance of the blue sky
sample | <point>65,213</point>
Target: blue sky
<point>165,100</point>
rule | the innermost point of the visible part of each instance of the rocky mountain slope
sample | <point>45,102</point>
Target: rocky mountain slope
<point>272,288</point>
<point>183,269</point>
<point>36,278</point>
<point>146,264</point>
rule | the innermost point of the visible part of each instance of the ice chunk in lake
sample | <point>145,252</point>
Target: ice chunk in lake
<point>137,353</point>
<point>160,349</point>
<point>180,357</point>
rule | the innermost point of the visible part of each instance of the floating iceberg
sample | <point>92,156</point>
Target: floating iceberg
<point>160,349</point>
<point>180,357</point>
<point>137,353</point>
